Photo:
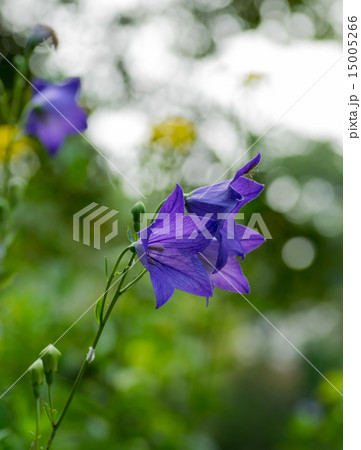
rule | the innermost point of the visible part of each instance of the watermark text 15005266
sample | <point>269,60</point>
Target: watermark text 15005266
<point>352,73</point>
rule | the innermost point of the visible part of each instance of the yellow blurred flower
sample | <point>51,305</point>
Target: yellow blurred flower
<point>253,78</point>
<point>19,145</point>
<point>174,132</point>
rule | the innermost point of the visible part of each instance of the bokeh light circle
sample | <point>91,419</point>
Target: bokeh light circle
<point>298,253</point>
<point>283,193</point>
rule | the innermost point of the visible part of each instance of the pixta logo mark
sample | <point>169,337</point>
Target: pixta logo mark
<point>89,221</point>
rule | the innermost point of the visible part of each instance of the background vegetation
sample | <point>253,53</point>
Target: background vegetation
<point>183,377</point>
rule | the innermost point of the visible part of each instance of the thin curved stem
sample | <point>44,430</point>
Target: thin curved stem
<point>50,405</point>
<point>37,414</point>
<point>130,284</point>
<point>87,361</point>
<point>109,282</point>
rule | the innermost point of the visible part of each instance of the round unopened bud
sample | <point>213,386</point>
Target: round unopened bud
<point>50,357</point>
<point>137,210</point>
<point>40,34</point>
<point>36,371</point>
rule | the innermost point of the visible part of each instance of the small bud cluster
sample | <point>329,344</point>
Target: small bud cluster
<point>44,368</point>
<point>36,371</point>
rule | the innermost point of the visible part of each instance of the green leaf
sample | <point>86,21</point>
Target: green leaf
<point>98,310</point>
<point>130,235</point>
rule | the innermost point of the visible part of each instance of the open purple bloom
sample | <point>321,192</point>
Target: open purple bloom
<point>238,240</point>
<point>226,197</point>
<point>168,249</point>
<point>54,112</point>
<point>219,200</point>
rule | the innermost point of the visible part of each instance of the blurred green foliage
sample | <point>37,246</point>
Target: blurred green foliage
<point>183,377</point>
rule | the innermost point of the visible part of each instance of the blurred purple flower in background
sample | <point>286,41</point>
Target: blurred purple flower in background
<point>54,113</point>
<point>168,249</point>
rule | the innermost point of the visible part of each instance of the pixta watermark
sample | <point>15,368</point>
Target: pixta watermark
<point>88,223</point>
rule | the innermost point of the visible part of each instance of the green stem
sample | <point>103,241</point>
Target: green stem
<point>50,405</point>
<point>7,158</point>
<point>135,280</point>
<point>37,414</point>
<point>4,211</point>
<point>19,87</point>
<point>4,103</point>
<point>109,282</point>
<point>102,324</point>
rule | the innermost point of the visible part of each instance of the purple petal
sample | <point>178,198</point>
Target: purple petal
<point>68,88</point>
<point>71,117</point>
<point>163,290</point>
<point>171,268</point>
<point>172,229</point>
<point>248,238</point>
<point>209,256</point>
<point>71,86</point>
<point>51,128</point>
<point>184,242</point>
<point>39,85</point>
<point>225,197</point>
<point>48,131</point>
<point>231,278</point>
<point>238,239</point>
<point>141,252</point>
<point>74,120</point>
<point>222,252</point>
<point>248,188</point>
<point>249,166</point>
<point>175,202</point>
<point>177,272</point>
<point>54,113</point>
<point>189,276</point>
<point>230,239</point>
<point>211,199</point>
<point>165,222</point>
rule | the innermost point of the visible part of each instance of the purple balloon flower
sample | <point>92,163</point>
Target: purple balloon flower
<point>238,240</point>
<point>226,197</point>
<point>168,249</point>
<point>54,112</point>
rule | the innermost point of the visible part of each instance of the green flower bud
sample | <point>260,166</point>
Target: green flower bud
<point>137,210</point>
<point>50,357</point>
<point>37,378</point>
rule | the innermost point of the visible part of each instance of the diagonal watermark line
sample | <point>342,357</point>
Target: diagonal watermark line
<point>65,332</point>
<point>71,124</point>
<point>274,327</point>
<point>275,123</point>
